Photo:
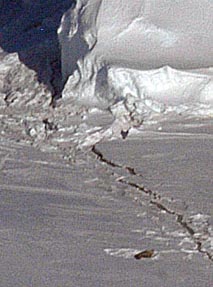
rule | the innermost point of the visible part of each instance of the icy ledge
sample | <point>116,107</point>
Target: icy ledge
<point>119,56</point>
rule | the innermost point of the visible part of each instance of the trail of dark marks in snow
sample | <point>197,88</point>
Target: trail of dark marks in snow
<point>100,156</point>
<point>153,199</point>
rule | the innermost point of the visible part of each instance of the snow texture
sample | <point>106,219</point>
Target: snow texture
<point>137,63</point>
<point>19,86</point>
<point>140,58</point>
<point>125,63</point>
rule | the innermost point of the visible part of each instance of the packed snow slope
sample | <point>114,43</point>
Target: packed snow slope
<point>140,57</point>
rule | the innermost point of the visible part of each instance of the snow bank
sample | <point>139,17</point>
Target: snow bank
<point>138,56</point>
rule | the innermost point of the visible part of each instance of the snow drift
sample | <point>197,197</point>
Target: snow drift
<point>138,56</point>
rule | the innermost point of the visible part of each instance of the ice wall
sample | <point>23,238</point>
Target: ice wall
<point>158,53</point>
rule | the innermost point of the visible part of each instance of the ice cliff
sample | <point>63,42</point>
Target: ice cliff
<point>138,57</point>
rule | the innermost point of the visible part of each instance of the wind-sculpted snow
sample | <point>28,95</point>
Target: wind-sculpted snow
<point>145,196</point>
<point>122,67</point>
<point>140,58</point>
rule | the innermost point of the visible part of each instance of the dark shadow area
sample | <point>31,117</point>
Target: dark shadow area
<point>29,28</point>
<point>72,50</point>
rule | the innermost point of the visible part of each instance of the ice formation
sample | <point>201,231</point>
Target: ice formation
<point>138,57</point>
<point>122,63</point>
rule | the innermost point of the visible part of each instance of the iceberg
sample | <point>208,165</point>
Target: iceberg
<point>140,57</point>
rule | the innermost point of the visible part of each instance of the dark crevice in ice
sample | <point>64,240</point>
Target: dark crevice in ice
<point>100,156</point>
<point>29,28</point>
<point>162,207</point>
<point>136,185</point>
<point>103,159</point>
<point>154,199</point>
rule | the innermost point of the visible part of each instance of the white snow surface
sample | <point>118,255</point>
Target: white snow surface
<point>104,205</point>
<point>139,58</point>
<point>123,63</point>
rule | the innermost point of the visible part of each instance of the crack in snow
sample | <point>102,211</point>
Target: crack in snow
<point>153,200</point>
